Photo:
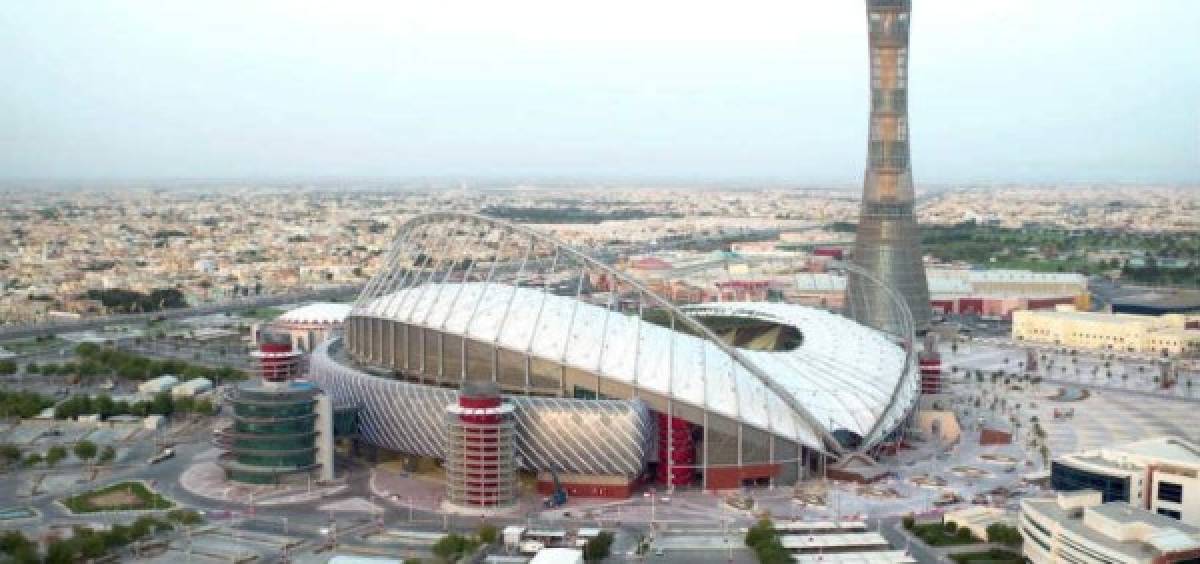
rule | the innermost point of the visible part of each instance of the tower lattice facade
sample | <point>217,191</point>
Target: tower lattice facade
<point>888,243</point>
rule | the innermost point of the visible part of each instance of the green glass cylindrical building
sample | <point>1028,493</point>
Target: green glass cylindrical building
<point>273,436</point>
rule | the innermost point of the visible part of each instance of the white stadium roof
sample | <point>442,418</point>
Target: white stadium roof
<point>323,313</point>
<point>843,374</point>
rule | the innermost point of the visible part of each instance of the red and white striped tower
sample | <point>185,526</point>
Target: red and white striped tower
<point>277,360</point>
<point>480,450</point>
<point>930,361</point>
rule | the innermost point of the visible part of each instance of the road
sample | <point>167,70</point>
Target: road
<point>8,332</point>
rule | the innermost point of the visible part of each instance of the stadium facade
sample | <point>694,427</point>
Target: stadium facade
<point>609,383</point>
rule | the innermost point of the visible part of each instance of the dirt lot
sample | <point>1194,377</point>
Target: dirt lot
<point>119,498</point>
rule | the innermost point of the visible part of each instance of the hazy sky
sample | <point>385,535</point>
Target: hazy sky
<point>1015,90</point>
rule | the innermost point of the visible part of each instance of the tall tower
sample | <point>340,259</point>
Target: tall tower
<point>888,245</point>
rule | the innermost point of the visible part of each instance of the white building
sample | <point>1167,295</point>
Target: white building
<point>307,325</point>
<point>1161,475</point>
<point>1080,527</point>
<point>191,388</point>
<point>158,385</point>
<point>558,556</point>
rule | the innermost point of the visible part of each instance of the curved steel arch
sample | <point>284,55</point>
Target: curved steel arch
<point>468,220</point>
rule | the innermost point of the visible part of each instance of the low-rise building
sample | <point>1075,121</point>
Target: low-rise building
<point>191,388</point>
<point>1164,334</point>
<point>158,385</point>
<point>306,326</point>
<point>1160,475</point>
<point>990,293</point>
<point>1081,527</point>
<point>558,556</point>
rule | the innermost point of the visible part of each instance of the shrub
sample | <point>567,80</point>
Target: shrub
<point>185,517</point>
<point>1004,534</point>
<point>10,453</point>
<point>85,450</point>
<point>108,454</point>
<point>908,521</point>
<point>762,531</point>
<point>452,547</point>
<point>487,533</point>
<point>55,454</point>
<point>950,526</point>
<point>763,539</point>
<point>598,548</point>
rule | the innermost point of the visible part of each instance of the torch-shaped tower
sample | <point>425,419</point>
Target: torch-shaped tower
<point>888,245</point>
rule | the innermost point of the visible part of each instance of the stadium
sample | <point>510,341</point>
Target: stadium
<point>610,384</point>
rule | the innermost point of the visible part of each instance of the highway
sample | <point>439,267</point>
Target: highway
<point>8,332</point>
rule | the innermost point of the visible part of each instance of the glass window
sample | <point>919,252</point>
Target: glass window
<point>414,349</point>
<point>1170,513</point>
<point>545,377</point>
<point>576,378</point>
<point>479,361</point>
<point>510,370</point>
<point>452,353</point>
<point>1067,478</point>
<point>401,346</point>
<point>721,441</point>
<point>433,353</point>
<point>1168,491</point>
<point>756,446</point>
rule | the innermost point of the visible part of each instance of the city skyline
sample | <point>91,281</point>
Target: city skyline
<point>771,91</point>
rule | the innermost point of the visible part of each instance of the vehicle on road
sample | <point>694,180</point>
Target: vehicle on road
<point>161,456</point>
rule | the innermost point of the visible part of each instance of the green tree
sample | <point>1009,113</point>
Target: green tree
<point>487,533</point>
<point>18,548</point>
<point>85,450</point>
<point>91,545</point>
<point>185,516</point>
<point>598,548</point>
<point>55,454</point>
<point>1004,534</point>
<point>107,454</point>
<point>10,453</point>
<point>450,547</point>
<point>762,531</point>
<point>105,406</point>
<point>62,551</point>
<point>162,404</point>
<point>33,459</point>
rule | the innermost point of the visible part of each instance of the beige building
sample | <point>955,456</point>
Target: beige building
<point>1163,334</point>
<point>1080,527</point>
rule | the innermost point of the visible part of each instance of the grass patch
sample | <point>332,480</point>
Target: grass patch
<point>118,497</point>
<point>993,556</point>
<point>937,534</point>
